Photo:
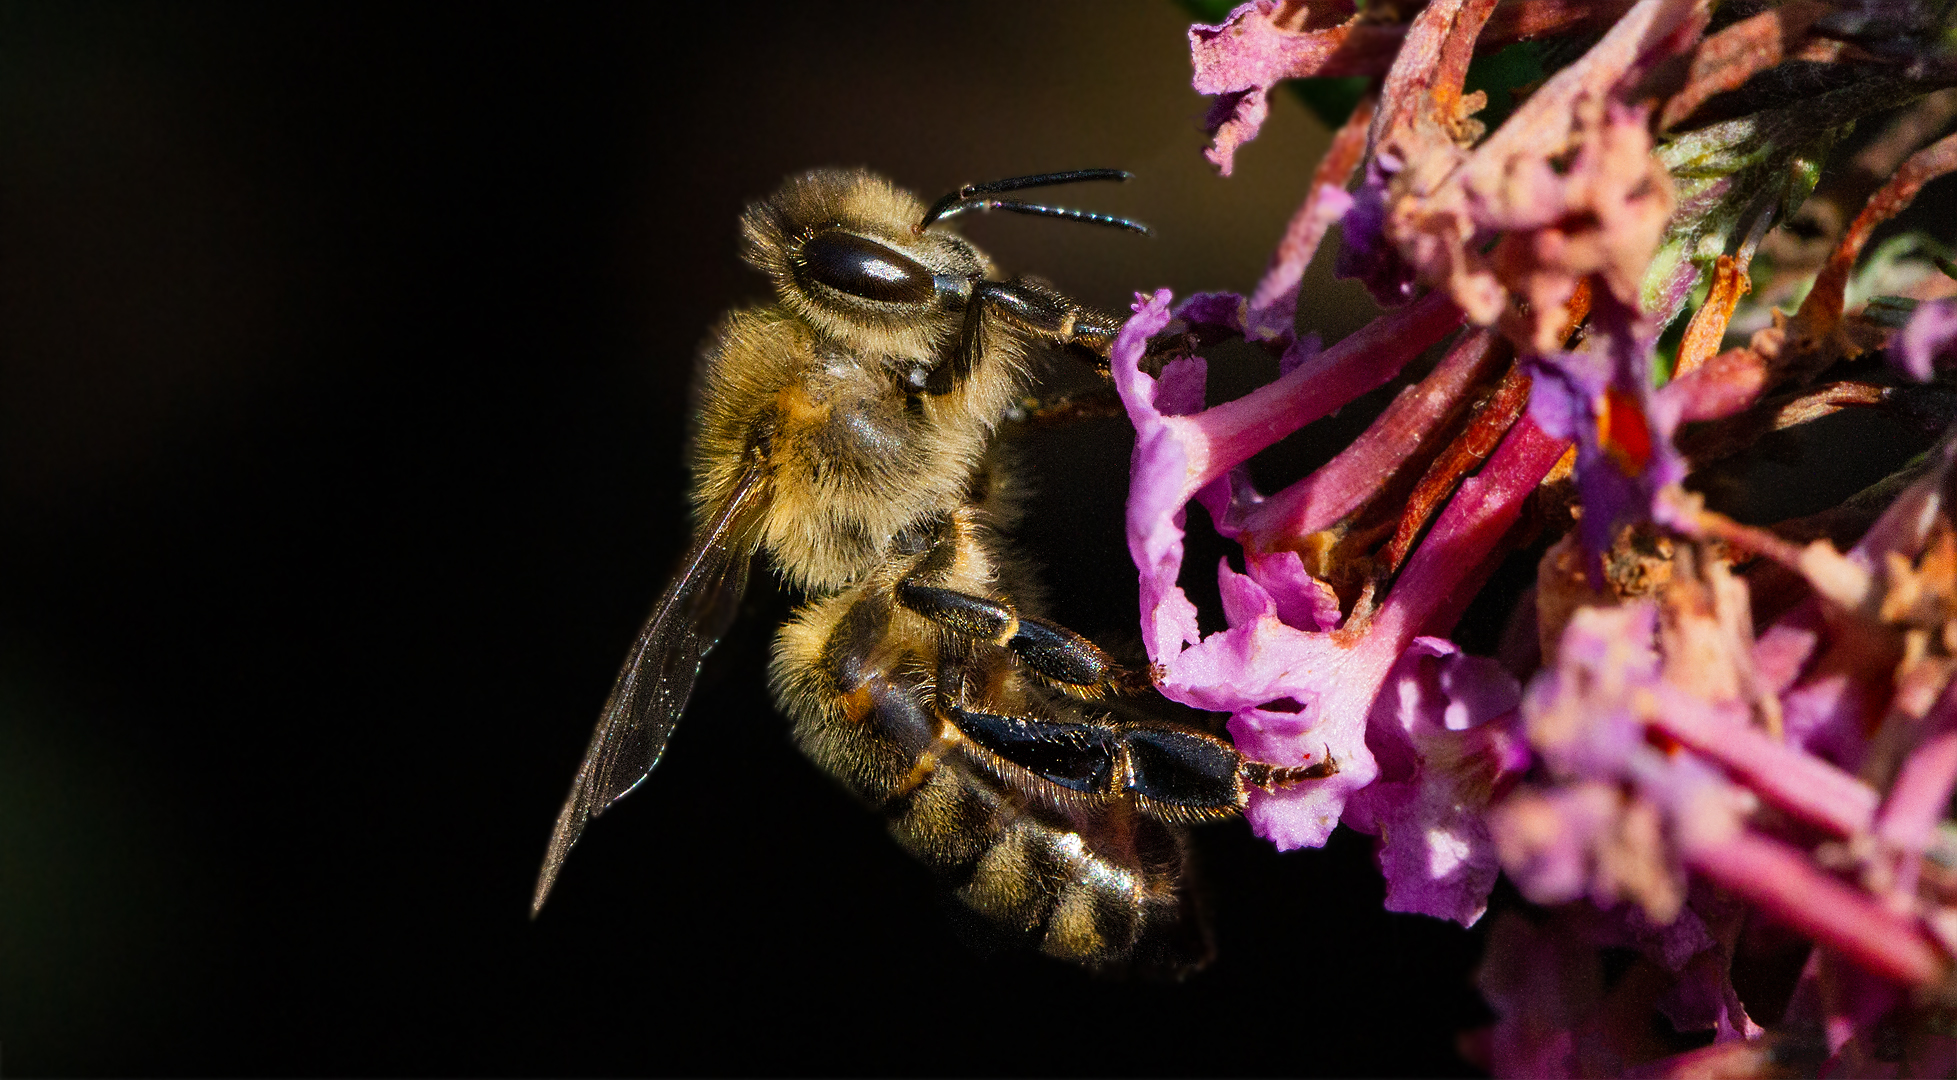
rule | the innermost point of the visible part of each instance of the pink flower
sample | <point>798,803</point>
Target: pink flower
<point>1368,254</point>
<point>1612,825</point>
<point>1565,193</point>
<point>1602,398</point>
<point>1443,733</point>
<point>1258,45</point>
<point>1930,336</point>
<point>1296,687</point>
<point>1665,777</point>
<point>1568,183</point>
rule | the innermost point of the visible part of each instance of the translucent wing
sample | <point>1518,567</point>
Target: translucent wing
<point>658,675</point>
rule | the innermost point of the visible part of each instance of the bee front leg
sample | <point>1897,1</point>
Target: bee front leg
<point>1075,664</point>
<point>1096,403</point>
<point>1039,309</point>
<point>1095,331</point>
<point>1035,308</point>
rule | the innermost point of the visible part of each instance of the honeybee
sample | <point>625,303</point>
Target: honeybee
<point>847,432</point>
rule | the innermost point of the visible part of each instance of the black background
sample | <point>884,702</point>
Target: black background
<point>344,356</point>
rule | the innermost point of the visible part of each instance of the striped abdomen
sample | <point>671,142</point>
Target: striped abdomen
<point>1086,878</point>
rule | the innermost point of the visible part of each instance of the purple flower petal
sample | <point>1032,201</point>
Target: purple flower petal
<point>1929,336</point>
<point>1602,397</point>
<point>1613,826</point>
<point>1566,389</point>
<point>1253,49</point>
<point>1234,120</point>
<point>1367,255</point>
<point>1156,496</point>
<point>1338,683</point>
<point>1179,389</point>
<point>1225,310</point>
<point>1244,600</point>
<point>1435,852</point>
<point>1261,658</point>
<point>1437,777</point>
<point>1302,601</point>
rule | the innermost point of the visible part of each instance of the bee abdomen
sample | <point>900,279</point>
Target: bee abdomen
<point>1099,883</point>
<point>1034,874</point>
<point>947,822</point>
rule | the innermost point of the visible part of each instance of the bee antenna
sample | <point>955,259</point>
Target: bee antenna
<point>972,197</point>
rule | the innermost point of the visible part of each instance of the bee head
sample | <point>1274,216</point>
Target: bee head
<point>845,253</point>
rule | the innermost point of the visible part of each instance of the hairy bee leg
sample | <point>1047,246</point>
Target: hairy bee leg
<point>1261,774</point>
<point>1095,331</point>
<point>1048,648</point>
<point>1173,773</point>
<point>1101,401</point>
<point>1033,307</point>
<point>949,375</point>
<point>1096,887</point>
<point>1181,773</point>
<point>1076,756</point>
<point>1039,309</point>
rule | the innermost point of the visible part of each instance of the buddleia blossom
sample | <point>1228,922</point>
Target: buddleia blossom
<point>1295,681</point>
<point>1444,732</point>
<point>1930,338</point>
<point>1698,729</point>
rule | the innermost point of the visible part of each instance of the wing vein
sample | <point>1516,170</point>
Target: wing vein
<point>652,688</point>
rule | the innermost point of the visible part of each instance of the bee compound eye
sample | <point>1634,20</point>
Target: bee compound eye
<point>865,268</point>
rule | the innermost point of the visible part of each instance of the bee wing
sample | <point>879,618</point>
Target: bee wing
<point>652,687</point>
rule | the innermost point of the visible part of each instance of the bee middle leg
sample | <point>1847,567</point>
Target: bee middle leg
<point>1071,661</point>
<point>1173,773</point>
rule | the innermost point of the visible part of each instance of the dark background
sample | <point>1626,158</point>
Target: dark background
<point>344,355</point>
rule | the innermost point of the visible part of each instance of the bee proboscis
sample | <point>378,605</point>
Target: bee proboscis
<point>846,431</point>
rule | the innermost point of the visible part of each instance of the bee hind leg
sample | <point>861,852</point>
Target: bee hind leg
<point>1270,777</point>
<point>1081,757</point>
<point>1072,662</point>
<point>1173,773</point>
<point>1181,774</point>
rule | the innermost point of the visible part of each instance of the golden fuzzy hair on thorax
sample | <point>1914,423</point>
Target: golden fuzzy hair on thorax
<point>846,432</point>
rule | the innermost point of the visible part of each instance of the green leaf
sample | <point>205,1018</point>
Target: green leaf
<point>1208,11</point>
<point>1889,311</point>
<point>1726,175</point>
<point>1499,73</point>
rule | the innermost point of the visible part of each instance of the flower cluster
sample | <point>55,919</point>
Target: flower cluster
<point>1704,741</point>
